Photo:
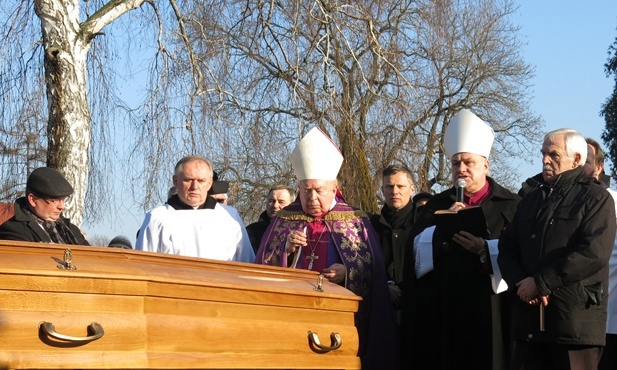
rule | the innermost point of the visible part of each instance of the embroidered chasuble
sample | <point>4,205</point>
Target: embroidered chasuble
<point>343,235</point>
<point>314,255</point>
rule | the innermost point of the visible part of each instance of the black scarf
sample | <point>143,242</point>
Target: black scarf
<point>397,219</point>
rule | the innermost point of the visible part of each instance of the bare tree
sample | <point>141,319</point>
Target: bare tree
<point>383,78</point>
<point>99,240</point>
<point>59,46</point>
<point>240,81</point>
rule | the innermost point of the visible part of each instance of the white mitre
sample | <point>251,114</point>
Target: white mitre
<point>316,157</point>
<point>467,133</point>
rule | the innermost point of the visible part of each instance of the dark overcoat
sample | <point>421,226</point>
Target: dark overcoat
<point>394,239</point>
<point>562,236</point>
<point>23,226</point>
<point>451,316</point>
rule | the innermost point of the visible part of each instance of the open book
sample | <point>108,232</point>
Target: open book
<point>470,219</point>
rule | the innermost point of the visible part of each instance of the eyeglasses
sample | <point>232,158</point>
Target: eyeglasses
<point>52,201</point>
<point>55,201</point>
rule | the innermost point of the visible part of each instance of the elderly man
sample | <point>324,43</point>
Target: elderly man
<point>193,224</point>
<point>452,314</point>
<point>320,232</point>
<point>38,215</point>
<point>554,256</point>
<point>394,223</point>
<point>279,197</point>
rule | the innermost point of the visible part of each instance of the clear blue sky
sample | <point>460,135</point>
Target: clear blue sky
<point>566,42</point>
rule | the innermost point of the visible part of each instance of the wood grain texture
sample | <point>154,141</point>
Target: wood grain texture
<point>161,311</point>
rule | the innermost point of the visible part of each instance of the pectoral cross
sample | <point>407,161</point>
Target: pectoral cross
<point>312,258</point>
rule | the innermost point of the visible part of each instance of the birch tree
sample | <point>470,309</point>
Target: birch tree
<point>66,35</point>
<point>66,43</point>
<point>241,81</point>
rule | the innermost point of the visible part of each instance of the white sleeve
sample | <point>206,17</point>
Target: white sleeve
<point>423,252</point>
<point>498,283</point>
<point>150,238</point>
<point>146,239</point>
<point>244,249</point>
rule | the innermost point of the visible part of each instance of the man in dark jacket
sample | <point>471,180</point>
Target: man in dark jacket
<point>452,316</point>
<point>394,223</point>
<point>38,215</point>
<point>279,197</point>
<point>554,257</point>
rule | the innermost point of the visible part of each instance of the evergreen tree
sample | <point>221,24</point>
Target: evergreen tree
<point>609,109</point>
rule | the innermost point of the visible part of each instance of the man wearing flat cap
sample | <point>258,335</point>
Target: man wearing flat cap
<point>38,215</point>
<point>451,309</point>
<point>319,231</point>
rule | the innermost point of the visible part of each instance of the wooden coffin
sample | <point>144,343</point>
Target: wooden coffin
<point>131,309</point>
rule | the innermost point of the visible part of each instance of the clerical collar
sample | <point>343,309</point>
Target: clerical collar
<point>175,203</point>
<point>479,196</point>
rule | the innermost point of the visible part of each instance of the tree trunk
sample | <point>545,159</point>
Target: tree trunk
<point>355,173</point>
<point>68,128</point>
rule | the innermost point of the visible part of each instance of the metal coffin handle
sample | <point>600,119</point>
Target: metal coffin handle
<point>95,331</point>
<point>315,344</point>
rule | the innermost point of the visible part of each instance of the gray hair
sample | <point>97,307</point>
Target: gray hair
<point>574,143</point>
<point>193,158</point>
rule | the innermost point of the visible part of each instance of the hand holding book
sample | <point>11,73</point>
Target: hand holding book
<point>470,219</point>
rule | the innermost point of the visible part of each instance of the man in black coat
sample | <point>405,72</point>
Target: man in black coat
<point>279,197</point>
<point>554,257</point>
<point>394,223</point>
<point>452,316</point>
<point>38,215</point>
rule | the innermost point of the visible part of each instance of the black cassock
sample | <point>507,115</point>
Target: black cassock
<point>451,317</point>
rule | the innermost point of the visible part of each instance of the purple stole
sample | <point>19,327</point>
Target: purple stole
<point>351,240</point>
<point>346,230</point>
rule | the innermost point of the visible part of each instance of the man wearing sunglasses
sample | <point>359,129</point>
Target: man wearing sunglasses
<point>38,215</point>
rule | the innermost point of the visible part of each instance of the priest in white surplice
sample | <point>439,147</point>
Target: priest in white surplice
<point>193,224</point>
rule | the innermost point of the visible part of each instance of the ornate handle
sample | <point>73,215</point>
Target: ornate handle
<point>335,342</point>
<point>95,331</point>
